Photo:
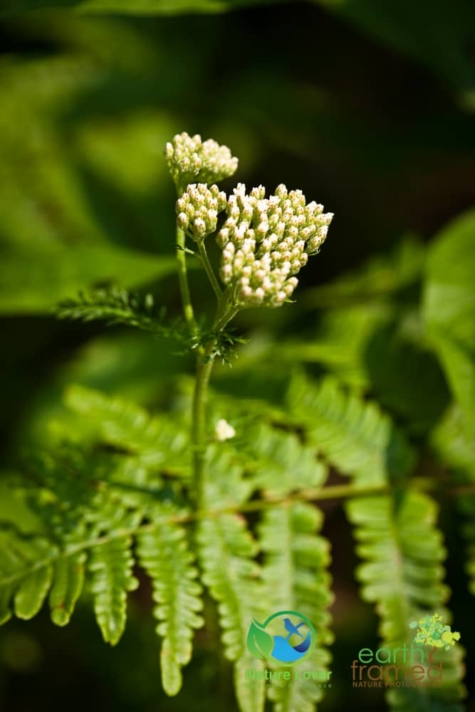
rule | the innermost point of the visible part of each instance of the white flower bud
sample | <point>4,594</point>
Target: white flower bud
<point>182,221</point>
<point>265,241</point>
<point>189,158</point>
<point>224,431</point>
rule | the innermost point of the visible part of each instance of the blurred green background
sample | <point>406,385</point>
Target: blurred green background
<point>368,106</point>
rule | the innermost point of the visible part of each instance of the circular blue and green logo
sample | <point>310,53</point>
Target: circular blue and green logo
<point>286,637</point>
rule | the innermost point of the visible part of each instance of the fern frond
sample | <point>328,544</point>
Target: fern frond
<point>455,448</point>
<point>117,306</point>
<point>157,442</point>
<point>68,582</point>
<point>454,444</point>
<point>296,578</point>
<point>402,574</point>
<point>165,555</point>
<point>227,553</point>
<point>111,566</point>
<point>279,461</point>
<point>352,434</point>
<point>25,575</point>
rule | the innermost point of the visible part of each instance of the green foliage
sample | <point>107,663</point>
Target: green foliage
<point>157,442</point>
<point>110,565</point>
<point>296,578</point>
<point>165,556</point>
<point>455,447</point>
<point>402,574</point>
<point>112,494</point>
<point>51,275</point>
<point>352,434</point>
<point>115,307</point>
<point>68,581</point>
<point>449,308</point>
<point>281,462</point>
<point>132,7</point>
<point>368,381</point>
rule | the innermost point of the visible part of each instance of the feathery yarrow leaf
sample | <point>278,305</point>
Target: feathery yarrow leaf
<point>117,306</point>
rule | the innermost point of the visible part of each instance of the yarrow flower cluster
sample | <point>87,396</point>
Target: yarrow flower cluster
<point>190,159</point>
<point>198,210</point>
<point>266,241</point>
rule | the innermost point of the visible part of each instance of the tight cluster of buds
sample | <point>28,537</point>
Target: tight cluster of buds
<point>190,159</point>
<point>198,209</point>
<point>266,241</point>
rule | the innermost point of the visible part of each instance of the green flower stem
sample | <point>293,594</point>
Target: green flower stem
<point>209,269</point>
<point>221,321</point>
<point>183,281</point>
<point>204,362</point>
<point>198,428</point>
<point>204,368</point>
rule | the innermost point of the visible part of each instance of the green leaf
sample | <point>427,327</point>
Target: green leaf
<point>251,697</point>
<point>449,308</point>
<point>67,586</point>
<point>164,553</point>
<point>352,433</point>
<point>132,7</point>
<point>402,550</point>
<point>156,441</point>
<point>111,567</point>
<point>455,447</point>
<point>25,574</point>
<point>406,378</point>
<point>32,592</point>
<point>227,552</point>
<point>114,306</point>
<point>279,462</point>
<point>380,277</point>
<point>34,281</point>
<point>259,643</point>
<point>296,578</point>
